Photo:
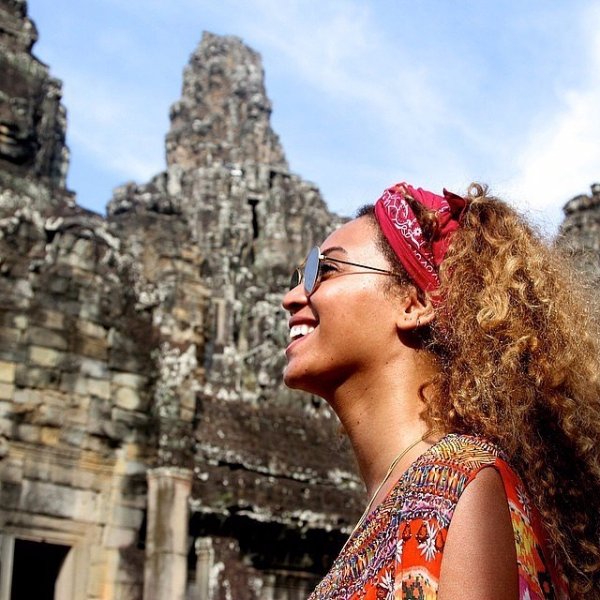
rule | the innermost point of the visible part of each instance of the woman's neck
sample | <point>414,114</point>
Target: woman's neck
<point>382,415</point>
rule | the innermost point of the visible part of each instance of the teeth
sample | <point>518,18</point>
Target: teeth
<point>300,330</point>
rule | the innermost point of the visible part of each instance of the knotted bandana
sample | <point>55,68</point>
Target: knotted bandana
<point>420,258</point>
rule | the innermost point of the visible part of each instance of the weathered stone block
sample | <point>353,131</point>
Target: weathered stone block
<point>50,436</point>
<point>40,470</point>
<point>186,414</point>
<point>94,444</point>
<point>94,368</point>
<point>74,437</point>
<point>7,371</point>
<point>82,255</point>
<point>133,419</point>
<point>129,380</point>
<point>78,414</point>
<point>49,415</point>
<point>188,399</point>
<point>127,398</point>
<point>91,329</point>
<point>99,387</point>
<point>21,322</point>
<point>9,339</point>
<point>89,310</point>
<point>118,537</point>
<point>50,318</point>
<point>59,285</point>
<point>133,452</point>
<point>123,359</point>
<point>45,357</point>
<point>36,377</point>
<point>116,431</point>
<point>6,391</point>
<point>59,500</point>
<point>22,287</point>
<point>69,307</point>
<point>98,414</point>
<point>120,339</point>
<point>92,347</point>
<point>10,491</point>
<point>12,473</point>
<point>28,433</point>
<point>54,398</point>
<point>27,398</point>
<point>86,479</point>
<point>47,338</point>
<point>74,383</point>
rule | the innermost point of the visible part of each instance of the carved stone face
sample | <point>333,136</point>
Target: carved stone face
<point>18,98</point>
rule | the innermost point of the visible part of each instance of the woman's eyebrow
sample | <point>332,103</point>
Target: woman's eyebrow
<point>334,249</point>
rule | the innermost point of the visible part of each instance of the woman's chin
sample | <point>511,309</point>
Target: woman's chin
<point>296,380</point>
<point>312,386</point>
<point>291,379</point>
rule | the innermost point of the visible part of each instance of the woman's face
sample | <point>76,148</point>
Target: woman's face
<point>348,322</point>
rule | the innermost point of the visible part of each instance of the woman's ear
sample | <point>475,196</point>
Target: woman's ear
<point>414,312</point>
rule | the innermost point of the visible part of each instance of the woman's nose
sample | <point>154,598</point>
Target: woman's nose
<point>295,299</point>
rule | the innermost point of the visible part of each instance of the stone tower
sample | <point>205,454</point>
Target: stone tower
<point>32,119</point>
<point>224,113</point>
<point>580,232</point>
<point>147,446</point>
<point>214,237</point>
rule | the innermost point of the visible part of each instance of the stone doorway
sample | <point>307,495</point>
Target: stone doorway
<point>36,567</point>
<point>37,570</point>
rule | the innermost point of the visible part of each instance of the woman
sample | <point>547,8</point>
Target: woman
<point>462,362</point>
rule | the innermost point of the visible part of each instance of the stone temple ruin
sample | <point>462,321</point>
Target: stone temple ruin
<point>147,446</point>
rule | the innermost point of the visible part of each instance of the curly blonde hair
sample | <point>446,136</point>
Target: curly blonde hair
<point>517,342</point>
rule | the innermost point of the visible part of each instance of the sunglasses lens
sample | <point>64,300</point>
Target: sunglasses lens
<point>296,278</point>
<point>311,270</point>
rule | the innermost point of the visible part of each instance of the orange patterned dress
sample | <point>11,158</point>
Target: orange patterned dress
<point>397,551</point>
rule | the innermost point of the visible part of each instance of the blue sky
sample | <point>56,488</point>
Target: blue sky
<point>435,92</point>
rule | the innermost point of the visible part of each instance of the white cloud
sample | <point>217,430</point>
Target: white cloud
<point>561,157</point>
<point>113,126</point>
<point>341,50</point>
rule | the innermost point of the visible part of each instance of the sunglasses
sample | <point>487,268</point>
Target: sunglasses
<point>310,271</point>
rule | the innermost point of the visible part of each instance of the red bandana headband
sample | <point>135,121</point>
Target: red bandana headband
<point>401,228</point>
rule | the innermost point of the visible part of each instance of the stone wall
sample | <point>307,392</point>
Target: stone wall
<point>142,416</point>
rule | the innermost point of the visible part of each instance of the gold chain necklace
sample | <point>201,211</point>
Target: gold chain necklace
<point>391,468</point>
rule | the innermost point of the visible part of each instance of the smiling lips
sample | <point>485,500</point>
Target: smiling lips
<point>298,331</point>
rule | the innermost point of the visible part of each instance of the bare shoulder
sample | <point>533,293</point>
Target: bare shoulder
<point>479,555</point>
